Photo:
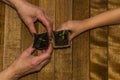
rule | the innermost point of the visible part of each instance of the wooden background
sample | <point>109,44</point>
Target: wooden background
<point>94,55</point>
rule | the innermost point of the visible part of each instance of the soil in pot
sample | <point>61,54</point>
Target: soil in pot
<point>61,39</point>
<point>41,41</point>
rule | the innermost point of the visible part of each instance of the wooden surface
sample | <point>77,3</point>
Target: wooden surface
<point>12,36</point>
<point>80,51</point>
<point>2,23</point>
<point>94,55</point>
<point>26,41</point>
<point>49,6</point>
<point>98,44</point>
<point>114,44</point>
<point>63,60</point>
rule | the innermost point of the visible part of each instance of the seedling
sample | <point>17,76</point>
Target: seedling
<point>62,35</point>
<point>41,41</point>
<point>61,39</point>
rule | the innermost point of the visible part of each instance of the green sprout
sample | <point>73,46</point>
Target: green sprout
<point>41,39</point>
<point>62,35</point>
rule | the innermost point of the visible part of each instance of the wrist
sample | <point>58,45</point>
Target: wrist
<point>15,3</point>
<point>95,22</point>
<point>89,24</point>
<point>8,74</point>
<point>84,25</point>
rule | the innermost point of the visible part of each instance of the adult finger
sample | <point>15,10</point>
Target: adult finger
<point>50,49</point>
<point>47,23</point>
<point>29,50</point>
<point>62,28</point>
<point>46,55</point>
<point>31,27</point>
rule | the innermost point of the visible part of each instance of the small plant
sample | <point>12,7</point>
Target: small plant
<point>41,39</point>
<point>61,39</point>
<point>62,35</point>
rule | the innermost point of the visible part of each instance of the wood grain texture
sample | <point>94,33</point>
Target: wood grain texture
<point>88,57</point>
<point>26,40</point>
<point>2,23</point>
<point>47,73</point>
<point>63,57</point>
<point>81,43</point>
<point>98,44</point>
<point>114,45</point>
<point>12,36</point>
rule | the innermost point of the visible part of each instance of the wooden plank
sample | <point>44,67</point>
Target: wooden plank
<point>12,36</point>
<point>114,45</point>
<point>26,40</point>
<point>98,44</point>
<point>63,57</point>
<point>81,43</point>
<point>47,72</point>
<point>2,20</point>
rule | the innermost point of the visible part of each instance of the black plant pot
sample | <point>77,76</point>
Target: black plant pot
<point>61,39</point>
<point>41,41</point>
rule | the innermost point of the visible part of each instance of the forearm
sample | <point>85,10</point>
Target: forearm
<point>106,18</point>
<point>14,3</point>
<point>5,1</point>
<point>8,74</point>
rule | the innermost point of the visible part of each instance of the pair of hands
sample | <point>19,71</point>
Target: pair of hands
<point>26,62</point>
<point>34,13</point>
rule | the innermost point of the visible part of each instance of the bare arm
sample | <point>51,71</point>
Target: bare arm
<point>30,13</point>
<point>106,18</point>
<point>26,63</point>
<point>14,3</point>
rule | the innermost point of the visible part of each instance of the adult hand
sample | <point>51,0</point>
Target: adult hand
<point>30,13</point>
<point>75,27</point>
<point>105,18</point>
<point>27,63</point>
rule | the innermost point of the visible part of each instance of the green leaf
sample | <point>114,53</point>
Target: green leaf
<point>62,35</point>
<point>42,39</point>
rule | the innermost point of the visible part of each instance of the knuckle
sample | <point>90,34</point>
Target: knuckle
<point>48,56</point>
<point>33,63</point>
<point>48,23</point>
<point>69,22</point>
<point>40,11</point>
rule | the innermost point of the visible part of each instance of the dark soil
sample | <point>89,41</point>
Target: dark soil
<point>41,41</point>
<point>61,38</point>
